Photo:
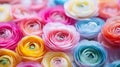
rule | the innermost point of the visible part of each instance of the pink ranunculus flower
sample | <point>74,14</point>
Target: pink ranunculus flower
<point>35,5</point>
<point>60,37</point>
<point>31,26</point>
<point>9,35</point>
<point>29,64</point>
<point>56,14</point>
<point>20,12</point>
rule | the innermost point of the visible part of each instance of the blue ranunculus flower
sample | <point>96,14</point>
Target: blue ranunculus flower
<point>90,53</point>
<point>89,28</point>
<point>59,2</point>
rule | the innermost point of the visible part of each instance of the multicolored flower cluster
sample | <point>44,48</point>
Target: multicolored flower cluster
<point>59,33</point>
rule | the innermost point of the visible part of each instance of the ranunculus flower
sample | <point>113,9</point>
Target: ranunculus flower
<point>60,37</point>
<point>9,58</point>
<point>59,2</point>
<point>89,28</point>
<point>109,9</point>
<point>35,5</point>
<point>110,33</point>
<point>90,54</point>
<point>29,64</point>
<point>20,12</point>
<point>31,48</point>
<point>31,26</point>
<point>81,9</point>
<point>56,59</point>
<point>5,10</point>
<point>9,35</point>
<point>56,14</point>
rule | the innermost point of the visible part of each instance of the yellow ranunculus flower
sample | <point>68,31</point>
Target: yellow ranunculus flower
<point>56,59</point>
<point>8,58</point>
<point>31,48</point>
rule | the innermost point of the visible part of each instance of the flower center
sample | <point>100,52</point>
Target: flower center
<point>57,61</point>
<point>5,33</point>
<point>82,4</point>
<point>32,28</point>
<point>57,17</point>
<point>61,36</point>
<point>89,55</point>
<point>32,46</point>
<point>4,61</point>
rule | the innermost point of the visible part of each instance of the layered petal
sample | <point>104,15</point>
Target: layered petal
<point>8,58</point>
<point>31,48</point>
<point>89,28</point>
<point>29,64</point>
<point>5,13</point>
<point>10,34</point>
<point>60,37</point>
<point>56,14</point>
<point>109,9</point>
<point>56,59</point>
<point>31,26</point>
<point>90,53</point>
<point>35,5</point>
<point>110,32</point>
<point>20,12</point>
<point>81,9</point>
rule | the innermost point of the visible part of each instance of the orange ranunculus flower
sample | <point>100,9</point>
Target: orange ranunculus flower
<point>111,32</point>
<point>31,48</point>
<point>56,59</point>
<point>8,58</point>
<point>108,9</point>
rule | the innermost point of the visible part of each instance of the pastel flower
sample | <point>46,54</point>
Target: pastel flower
<point>29,64</point>
<point>20,12</point>
<point>55,14</point>
<point>31,26</point>
<point>109,9</point>
<point>8,58</point>
<point>31,48</point>
<point>89,28</point>
<point>60,37</point>
<point>110,33</point>
<point>81,9</point>
<point>56,59</point>
<point>60,2</point>
<point>9,35</point>
<point>35,5</point>
<point>90,53</point>
<point>5,10</point>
